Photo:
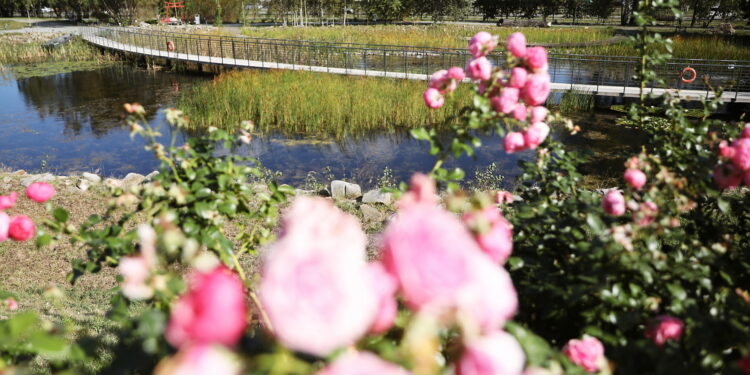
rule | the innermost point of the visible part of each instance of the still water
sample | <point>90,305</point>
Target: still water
<point>73,122</point>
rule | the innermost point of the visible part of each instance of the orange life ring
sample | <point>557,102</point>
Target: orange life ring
<point>170,46</point>
<point>688,70</point>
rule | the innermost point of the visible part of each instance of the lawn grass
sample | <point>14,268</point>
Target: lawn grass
<point>11,25</point>
<point>317,104</point>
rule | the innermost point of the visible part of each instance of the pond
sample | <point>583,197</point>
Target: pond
<point>73,122</point>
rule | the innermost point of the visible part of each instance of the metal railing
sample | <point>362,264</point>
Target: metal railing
<point>410,61</point>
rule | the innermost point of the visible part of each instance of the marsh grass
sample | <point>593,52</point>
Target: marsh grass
<point>313,104</point>
<point>15,49</point>
<point>576,101</point>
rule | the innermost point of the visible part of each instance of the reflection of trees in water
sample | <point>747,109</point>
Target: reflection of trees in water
<point>92,100</point>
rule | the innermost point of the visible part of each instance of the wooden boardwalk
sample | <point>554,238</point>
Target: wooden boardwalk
<point>622,91</point>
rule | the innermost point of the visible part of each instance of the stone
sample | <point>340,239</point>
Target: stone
<point>377,196</point>
<point>371,214</point>
<point>132,179</point>
<point>44,177</point>
<point>91,177</point>
<point>345,190</point>
<point>83,184</point>
<point>113,182</point>
<point>150,176</point>
<point>19,172</point>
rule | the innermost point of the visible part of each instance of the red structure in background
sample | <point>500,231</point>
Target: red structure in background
<point>173,5</point>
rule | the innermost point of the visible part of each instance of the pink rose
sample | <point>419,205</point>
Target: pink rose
<point>725,150</point>
<point>587,353</point>
<point>520,112</point>
<point>635,178</point>
<point>664,329</point>
<point>201,360</point>
<point>504,197</point>
<point>479,69</point>
<point>442,81</point>
<point>497,353</point>
<point>456,73</point>
<point>537,89</point>
<point>421,191</point>
<point>135,271</point>
<point>614,203</point>
<point>518,78</point>
<point>21,228</point>
<point>361,363</point>
<point>741,157</point>
<point>315,286</point>
<point>440,267</point>
<point>211,311</point>
<point>744,364</point>
<point>536,59</point>
<point>506,102</point>
<point>535,135</point>
<point>513,142</point>
<point>482,43</point>
<point>647,213</point>
<point>746,131</point>
<point>40,192</point>
<point>385,288</point>
<point>727,176</point>
<point>493,233</point>
<point>538,114</point>
<point>4,226</point>
<point>433,98</point>
<point>8,201</point>
<point>517,44</point>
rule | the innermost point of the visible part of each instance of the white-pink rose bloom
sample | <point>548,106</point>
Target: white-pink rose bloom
<point>361,363</point>
<point>315,285</point>
<point>497,353</point>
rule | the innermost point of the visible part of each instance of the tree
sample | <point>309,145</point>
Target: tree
<point>489,8</point>
<point>386,10</point>
<point>601,8</point>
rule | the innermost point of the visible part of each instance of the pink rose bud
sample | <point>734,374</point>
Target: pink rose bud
<point>479,69</point>
<point>4,226</point>
<point>727,176</point>
<point>537,89</point>
<point>725,150</point>
<point>741,157</point>
<point>21,228</point>
<point>744,364</point>
<point>421,191</point>
<point>385,288</point>
<point>587,353</point>
<point>493,233</point>
<point>315,286</point>
<point>535,135</point>
<point>746,131</point>
<point>514,142</point>
<point>456,73</point>
<point>497,353</point>
<point>433,98</point>
<point>635,178</point>
<point>11,303</point>
<point>520,112</point>
<point>201,360</point>
<point>518,78</point>
<point>506,102</point>
<point>482,43</point>
<point>362,363</point>
<point>614,203</point>
<point>439,79</point>
<point>40,192</point>
<point>536,59</point>
<point>212,311</point>
<point>666,328</point>
<point>538,114</point>
<point>517,44</point>
<point>8,201</point>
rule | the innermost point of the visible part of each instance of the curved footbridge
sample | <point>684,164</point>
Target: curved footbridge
<point>598,75</point>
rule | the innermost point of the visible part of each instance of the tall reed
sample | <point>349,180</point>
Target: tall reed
<point>16,49</point>
<point>316,104</point>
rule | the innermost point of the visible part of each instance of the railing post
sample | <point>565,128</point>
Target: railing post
<point>233,55</point>
<point>385,63</point>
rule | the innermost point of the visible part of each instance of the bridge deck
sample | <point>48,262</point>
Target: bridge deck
<point>740,97</point>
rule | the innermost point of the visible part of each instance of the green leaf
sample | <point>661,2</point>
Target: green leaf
<point>61,215</point>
